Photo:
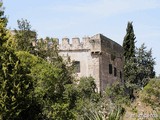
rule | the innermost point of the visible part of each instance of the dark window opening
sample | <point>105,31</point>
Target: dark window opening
<point>115,71</point>
<point>120,75</point>
<point>110,68</point>
<point>76,65</point>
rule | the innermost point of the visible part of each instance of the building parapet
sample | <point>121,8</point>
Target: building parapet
<point>95,43</point>
<point>75,43</point>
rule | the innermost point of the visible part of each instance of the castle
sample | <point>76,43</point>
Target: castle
<point>96,56</point>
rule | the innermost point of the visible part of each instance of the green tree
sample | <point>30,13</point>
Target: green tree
<point>47,49</point>
<point>145,63</point>
<point>16,88</point>
<point>130,66</point>
<point>52,79</point>
<point>129,42</point>
<point>15,82</point>
<point>51,88</point>
<point>3,24</point>
<point>41,49</point>
<point>24,36</point>
<point>86,87</point>
<point>130,72</point>
<point>51,93</point>
<point>139,70</point>
<point>87,97</point>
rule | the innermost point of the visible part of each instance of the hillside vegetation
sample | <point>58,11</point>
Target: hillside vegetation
<point>37,84</point>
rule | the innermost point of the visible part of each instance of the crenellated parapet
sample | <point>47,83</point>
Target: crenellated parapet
<point>76,44</point>
<point>96,44</point>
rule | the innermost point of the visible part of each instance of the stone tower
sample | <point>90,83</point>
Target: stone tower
<point>96,56</point>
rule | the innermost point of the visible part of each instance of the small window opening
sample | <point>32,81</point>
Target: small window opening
<point>76,65</point>
<point>110,68</point>
<point>115,71</point>
<point>120,75</point>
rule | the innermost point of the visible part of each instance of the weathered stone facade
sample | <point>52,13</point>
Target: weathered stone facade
<point>96,56</point>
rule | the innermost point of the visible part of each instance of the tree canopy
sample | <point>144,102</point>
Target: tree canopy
<point>37,84</point>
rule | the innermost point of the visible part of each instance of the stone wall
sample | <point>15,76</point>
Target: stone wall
<point>112,53</point>
<point>81,51</point>
<point>95,54</point>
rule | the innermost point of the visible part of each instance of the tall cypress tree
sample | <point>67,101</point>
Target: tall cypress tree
<point>129,42</point>
<point>130,67</point>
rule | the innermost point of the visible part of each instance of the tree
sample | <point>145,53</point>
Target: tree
<point>52,79</point>
<point>145,64</point>
<point>24,36</point>
<point>129,42</point>
<point>87,96</point>
<point>41,49</point>
<point>16,88</point>
<point>47,49</point>
<point>3,24</point>
<point>15,82</point>
<point>86,87</point>
<point>130,66</point>
<point>139,70</point>
<point>51,93</point>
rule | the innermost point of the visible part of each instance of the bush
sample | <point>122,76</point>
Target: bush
<point>151,94</point>
<point>118,93</point>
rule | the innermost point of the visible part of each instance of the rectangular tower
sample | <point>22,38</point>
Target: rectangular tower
<point>96,56</point>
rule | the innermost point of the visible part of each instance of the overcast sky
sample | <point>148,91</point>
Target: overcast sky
<point>78,18</point>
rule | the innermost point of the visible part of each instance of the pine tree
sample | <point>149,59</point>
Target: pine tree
<point>129,42</point>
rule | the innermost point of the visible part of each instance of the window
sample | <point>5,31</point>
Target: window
<point>115,71</point>
<point>110,68</point>
<point>76,65</point>
<point>120,75</point>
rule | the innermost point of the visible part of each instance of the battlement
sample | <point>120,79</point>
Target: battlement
<point>66,44</point>
<point>75,44</point>
<point>95,43</point>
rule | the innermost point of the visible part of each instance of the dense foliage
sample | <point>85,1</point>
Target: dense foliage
<point>24,36</point>
<point>151,94</point>
<point>138,65</point>
<point>37,84</point>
